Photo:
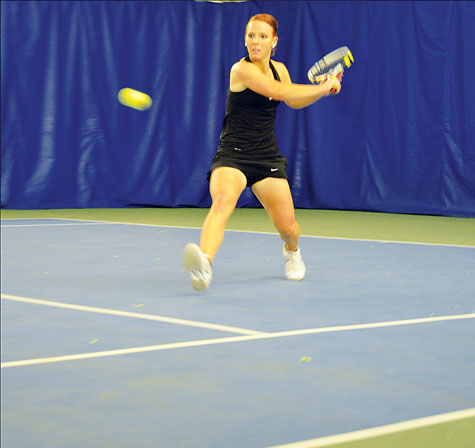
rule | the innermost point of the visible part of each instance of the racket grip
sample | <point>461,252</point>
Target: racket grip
<point>335,89</point>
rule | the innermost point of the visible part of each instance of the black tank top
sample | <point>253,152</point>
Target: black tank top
<point>249,121</point>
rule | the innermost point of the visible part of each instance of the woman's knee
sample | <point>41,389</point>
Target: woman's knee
<point>223,203</point>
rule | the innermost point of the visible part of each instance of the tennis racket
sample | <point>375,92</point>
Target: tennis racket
<point>331,66</point>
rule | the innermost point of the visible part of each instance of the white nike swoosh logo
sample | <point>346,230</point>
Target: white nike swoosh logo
<point>274,169</point>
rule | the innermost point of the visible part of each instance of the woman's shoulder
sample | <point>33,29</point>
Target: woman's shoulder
<point>239,63</point>
<point>241,68</point>
<point>236,75</point>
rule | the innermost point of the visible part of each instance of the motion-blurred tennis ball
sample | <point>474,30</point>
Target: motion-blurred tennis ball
<point>134,99</point>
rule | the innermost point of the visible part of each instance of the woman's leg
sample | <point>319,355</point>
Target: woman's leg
<point>274,194</point>
<point>226,186</point>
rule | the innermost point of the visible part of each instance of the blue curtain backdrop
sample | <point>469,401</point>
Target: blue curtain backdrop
<point>400,137</point>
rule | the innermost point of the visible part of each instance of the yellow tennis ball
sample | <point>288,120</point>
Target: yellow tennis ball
<point>134,99</point>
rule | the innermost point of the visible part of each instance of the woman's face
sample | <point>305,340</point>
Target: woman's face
<point>260,40</point>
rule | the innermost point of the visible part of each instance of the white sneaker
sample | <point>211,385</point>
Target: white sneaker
<point>294,265</point>
<point>199,266</point>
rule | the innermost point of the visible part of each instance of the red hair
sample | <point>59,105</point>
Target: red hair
<point>267,18</point>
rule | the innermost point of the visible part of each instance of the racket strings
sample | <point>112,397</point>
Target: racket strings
<point>331,65</point>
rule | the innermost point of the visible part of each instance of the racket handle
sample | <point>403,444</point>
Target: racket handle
<point>335,89</point>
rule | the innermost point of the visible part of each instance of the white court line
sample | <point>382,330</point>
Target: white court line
<point>98,223</point>
<point>251,337</point>
<point>169,320</point>
<point>83,223</point>
<point>125,351</point>
<point>381,430</point>
<point>90,221</point>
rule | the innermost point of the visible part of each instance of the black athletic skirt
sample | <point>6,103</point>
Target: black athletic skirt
<point>256,165</point>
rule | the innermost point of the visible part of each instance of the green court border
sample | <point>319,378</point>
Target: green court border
<point>456,434</point>
<point>322,223</point>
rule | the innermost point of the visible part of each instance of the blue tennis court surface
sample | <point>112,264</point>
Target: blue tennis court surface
<point>105,343</point>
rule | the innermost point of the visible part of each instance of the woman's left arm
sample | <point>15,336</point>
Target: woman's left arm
<point>285,78</point>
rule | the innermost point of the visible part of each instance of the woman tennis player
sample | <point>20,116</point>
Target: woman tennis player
<point>248,154</point>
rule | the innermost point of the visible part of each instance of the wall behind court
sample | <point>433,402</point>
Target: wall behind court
<point>400,137</point>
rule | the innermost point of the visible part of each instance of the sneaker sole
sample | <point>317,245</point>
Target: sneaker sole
<point>192,262</point>
<point>192,257</point>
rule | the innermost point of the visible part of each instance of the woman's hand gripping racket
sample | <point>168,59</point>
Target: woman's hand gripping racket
<point>331,66</point>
